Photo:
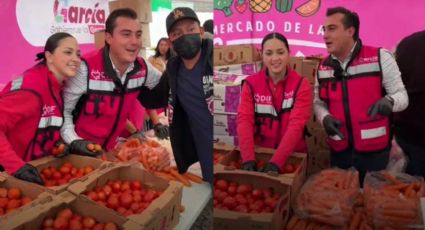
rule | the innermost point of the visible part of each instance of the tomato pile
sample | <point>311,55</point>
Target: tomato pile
<point>11,199</point>
<point>244,197</point>
<point>125,197</point>
<point>58,176</point>
<point>66,219</point>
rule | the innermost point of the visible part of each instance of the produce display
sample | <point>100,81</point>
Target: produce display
<point>244,198</point>
<point>11,199</point>
<point>125,197</point>
<point>67,219</point>
<point>62,175</point>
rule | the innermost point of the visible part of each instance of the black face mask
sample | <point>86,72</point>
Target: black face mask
<point>188,45</point>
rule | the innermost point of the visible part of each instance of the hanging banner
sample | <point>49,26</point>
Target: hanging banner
<point>26,25</point>
<point>382,23</point>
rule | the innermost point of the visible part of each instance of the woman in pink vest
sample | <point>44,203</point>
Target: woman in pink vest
<point>275,106</point>
<point>31,107</point>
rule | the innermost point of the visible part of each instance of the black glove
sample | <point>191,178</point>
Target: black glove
<point>29,173</point>
<point>249,166</point>
<point>61,149</point>
<point>332,126</point>
<point>161,131</point>
<point>270,167</point>
<point>383,107</point>
<point>79,147</point>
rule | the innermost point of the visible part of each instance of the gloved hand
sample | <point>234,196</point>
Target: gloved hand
<point>270,167</point>
<point>60,149</point>
<point>383,107</point>
<point>29,173</point>
<point>332,126</point>
<point>161,131</point>
<point>249,166</point>
<point>81,147</point>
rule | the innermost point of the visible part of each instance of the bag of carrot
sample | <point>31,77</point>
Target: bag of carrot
<point>329,196</point>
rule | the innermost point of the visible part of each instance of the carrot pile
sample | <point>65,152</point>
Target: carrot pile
<point>329,196</point>
<point>393,201</point>
<point>155,159</point>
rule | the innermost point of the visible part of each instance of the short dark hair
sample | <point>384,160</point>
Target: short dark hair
<point>112,18</point>
<point>276,35</point>
<point>209,26</point>
<point>51,44</point>
<point>351,19</point>
<point>157,53</point>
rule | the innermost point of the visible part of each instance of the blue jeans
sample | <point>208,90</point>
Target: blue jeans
<point>415,157</point>
<point>363,162</point>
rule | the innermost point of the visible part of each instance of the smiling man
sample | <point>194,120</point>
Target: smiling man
<point>357,89</point>
<point>98,100</point>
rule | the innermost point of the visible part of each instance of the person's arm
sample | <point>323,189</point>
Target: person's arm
<point>300,114</point>
<point>153,77</point>
<point>320,107</point>
<point>158,96</point>
<point>74,88</point>
<point>14,108</point>
<point>245,124</point>
<point>392,82</point>
<point>153,116</point>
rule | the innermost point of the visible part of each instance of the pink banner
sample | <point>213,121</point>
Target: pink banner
<point>383,23</point>
<point>26,25</point>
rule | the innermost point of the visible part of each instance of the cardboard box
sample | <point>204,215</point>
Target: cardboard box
<point>229,220</point>
<point>223,139</point>
<point>143,8</point>
<point>99,39</point>
<point>318,161</point>
<point>225,124</point>
<point>295,180</point>
<point>36,193</point>
<point>309,70</point>
<point>76,160</point>
<point>220,151</point>
<point>226,98</point>
<point>228,78</point>
<point>146,36</point>
<point>81,206</point>
<point>296,63</point>
<point>242,69</point>
<point>162,213</point>
<point>235,54</point>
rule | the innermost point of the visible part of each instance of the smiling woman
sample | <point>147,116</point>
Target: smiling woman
<point>32,104</point>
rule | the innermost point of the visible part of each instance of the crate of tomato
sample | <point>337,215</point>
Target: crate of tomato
<point>249,201</point>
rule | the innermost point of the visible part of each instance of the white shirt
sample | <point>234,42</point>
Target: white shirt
<point>77,86</point>
<point>391,81</point>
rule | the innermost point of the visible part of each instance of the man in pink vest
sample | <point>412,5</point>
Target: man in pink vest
<point>357,89</point>
<point>99,100</point>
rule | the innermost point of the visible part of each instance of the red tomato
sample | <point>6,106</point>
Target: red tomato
<point>64,170</point>
<point>289,168</point>
<point>125,186</point>
<point>231,190</point>
<point>257,194</point>
<point>221,184</point>
<point>48,222</point>
<point>14,193</point>
<point>3,202</point>
<point>135,185</point>
<point>110,226</point>
<point>149,196</point>
<point>244,189</point>
<point>75,225</point>
<point>230,202</point>
<point>89,222</point>
<point>240,199</point>
<point>112,202</point>
<point>107,190</point>
<point>60,223</point>
<point>57,175</point>
<point>126,200</point>
<point>268,192</point>
<point>241,208</point>
<point>93,195</point>
<point>47,173</point>
<point>65,213</point>
<point>116,186</point>
<point>13,204</point>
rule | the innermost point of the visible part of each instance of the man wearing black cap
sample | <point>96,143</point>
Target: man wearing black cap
<point>188,77</point>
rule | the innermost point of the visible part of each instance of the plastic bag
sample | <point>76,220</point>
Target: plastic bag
<point>398,161</point>
<point>393,199</point>
<point>328,197</point>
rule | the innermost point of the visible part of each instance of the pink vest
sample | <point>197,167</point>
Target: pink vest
<point>107,104</point>
<point>271,123</point>
<point>36,80</point>
<point>349,98</point>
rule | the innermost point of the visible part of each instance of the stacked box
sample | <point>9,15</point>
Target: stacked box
<point>162,213</point>
<point>143,8</point>
<point>99,39</point>
<point>229,220</point>
<point>76,160</point>
<point>235,54</point>
<point>240,69</point>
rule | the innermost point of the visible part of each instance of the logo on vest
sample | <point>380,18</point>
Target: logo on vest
<point>262,99</point>
<point>48,110</point>
<point>97,75</point>
<point>289,94</point>
<point>369,59</point>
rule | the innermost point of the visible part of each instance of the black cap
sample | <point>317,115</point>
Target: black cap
<point>178,14</point>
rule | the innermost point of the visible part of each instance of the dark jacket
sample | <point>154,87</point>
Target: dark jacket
<point>410,56</point>
<point>165,94</point>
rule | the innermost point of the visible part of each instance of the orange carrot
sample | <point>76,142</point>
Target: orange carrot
<point>163,175</point>
<point>390,178</point>
<point>145,163</point>
<point>194,178</point>
<point>355,221</point>
<point>180,177</point>
<point>292,222</point>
